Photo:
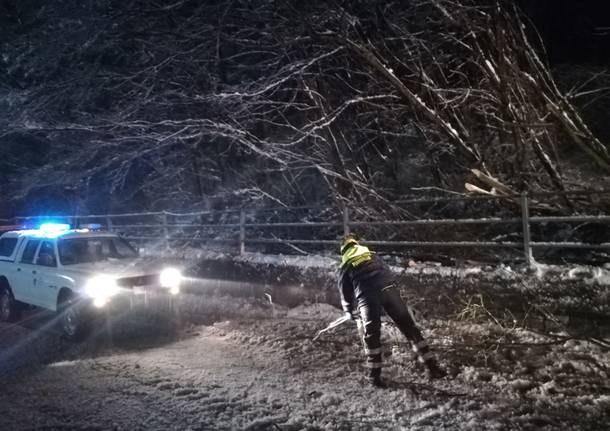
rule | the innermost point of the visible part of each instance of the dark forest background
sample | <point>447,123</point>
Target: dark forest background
<point>110,106</point>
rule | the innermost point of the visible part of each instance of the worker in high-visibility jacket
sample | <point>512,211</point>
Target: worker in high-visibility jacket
<point>366,281</point>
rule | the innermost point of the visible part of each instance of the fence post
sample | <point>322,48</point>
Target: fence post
<point>525,215</point>
<point>108,224</point>
<point>345,220</point>
<point>242,231</point>
<point>165,229</point>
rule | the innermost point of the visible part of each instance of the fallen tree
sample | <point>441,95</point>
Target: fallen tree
<point>367,102</point>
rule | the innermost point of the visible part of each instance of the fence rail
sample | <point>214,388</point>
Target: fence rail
<point>239,226</point>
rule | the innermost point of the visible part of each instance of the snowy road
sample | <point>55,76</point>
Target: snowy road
<point>266,373</point>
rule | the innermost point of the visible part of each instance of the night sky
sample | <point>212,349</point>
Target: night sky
<point>574,31</point>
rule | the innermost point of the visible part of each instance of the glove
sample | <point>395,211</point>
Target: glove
<point>349,315</point>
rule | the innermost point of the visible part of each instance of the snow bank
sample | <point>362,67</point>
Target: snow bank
<point>577,291</point>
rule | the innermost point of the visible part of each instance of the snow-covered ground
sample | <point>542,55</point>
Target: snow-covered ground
<point>259,369</point>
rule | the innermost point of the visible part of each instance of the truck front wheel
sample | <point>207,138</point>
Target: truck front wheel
<point>9,309</point>
<point>72,322</point>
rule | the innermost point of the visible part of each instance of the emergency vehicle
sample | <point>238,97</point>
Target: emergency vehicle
<point>76,273</point>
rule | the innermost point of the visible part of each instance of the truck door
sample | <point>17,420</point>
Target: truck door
<point>46,283</point>
<point>24,273</point>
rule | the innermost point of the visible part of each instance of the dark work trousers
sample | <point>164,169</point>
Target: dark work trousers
<point>370,302</point>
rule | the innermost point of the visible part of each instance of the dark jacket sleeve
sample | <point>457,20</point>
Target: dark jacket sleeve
<point>346,290</point>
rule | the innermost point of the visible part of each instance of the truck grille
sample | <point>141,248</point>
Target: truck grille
<point>141,280</point>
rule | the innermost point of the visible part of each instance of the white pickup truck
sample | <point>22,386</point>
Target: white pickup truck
<point>74,272</point>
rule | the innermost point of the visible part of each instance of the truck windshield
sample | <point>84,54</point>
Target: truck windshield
<point>87,250</point>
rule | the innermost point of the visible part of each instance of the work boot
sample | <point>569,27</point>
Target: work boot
<point>434,371</point>
<point>378,382</point>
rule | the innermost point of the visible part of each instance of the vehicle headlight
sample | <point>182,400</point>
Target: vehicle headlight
<point>100,288</point>
<point>171,278</point>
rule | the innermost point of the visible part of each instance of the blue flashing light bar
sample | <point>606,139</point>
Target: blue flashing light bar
<point>53,228</point>
<point>92,226</point>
